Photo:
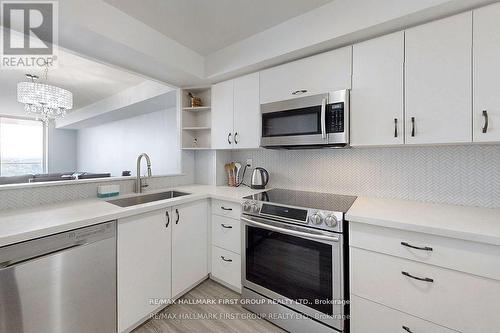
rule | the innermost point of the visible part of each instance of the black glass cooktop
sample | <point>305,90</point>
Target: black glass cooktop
<point>314,200</point>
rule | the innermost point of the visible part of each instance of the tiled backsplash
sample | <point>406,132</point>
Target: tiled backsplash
<point>43,195</point>
<point>463,175</point>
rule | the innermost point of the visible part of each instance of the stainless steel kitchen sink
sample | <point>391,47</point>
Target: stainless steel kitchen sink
<point>140,199</point>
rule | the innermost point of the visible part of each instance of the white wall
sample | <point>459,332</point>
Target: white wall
<point>114,147</point>
<point>62,150</point>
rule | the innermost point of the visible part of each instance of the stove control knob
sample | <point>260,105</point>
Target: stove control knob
<point>255,208</point>
<point>331,221</point>
<point>246,206</point>
<point>316,219</point>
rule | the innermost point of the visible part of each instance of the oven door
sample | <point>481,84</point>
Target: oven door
<point>296,266</point>
<point>296,122</point>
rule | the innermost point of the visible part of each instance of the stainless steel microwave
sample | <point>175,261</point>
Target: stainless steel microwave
<point>307,122</point>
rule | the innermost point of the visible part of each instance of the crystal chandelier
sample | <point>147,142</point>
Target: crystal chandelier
<point>44,101</point>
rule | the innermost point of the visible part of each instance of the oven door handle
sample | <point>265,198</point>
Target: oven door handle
<point>291,232</point>
<point>323,118</point>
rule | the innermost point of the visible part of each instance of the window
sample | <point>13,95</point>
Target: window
<point>22,145</point>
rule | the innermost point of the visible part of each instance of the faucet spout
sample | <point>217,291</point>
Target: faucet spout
<point>138,180</point>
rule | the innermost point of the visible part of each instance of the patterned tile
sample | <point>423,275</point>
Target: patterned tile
<point>462,175</point>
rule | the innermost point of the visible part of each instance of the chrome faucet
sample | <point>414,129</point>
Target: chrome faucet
<point>138,181</point>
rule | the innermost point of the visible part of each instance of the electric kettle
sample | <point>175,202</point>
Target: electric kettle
<point>260,178</point>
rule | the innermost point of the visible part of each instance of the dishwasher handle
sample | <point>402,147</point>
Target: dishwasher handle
<point>12,263</point>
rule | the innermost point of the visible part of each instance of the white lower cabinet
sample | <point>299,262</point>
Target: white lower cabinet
<point>226,266</point>
<point>368,316</point>
<point>160,255</point>
<point>226,233</point>
<point>226,243</point>
<point>189,245</point>
<point>144,266</point>
<point>424,287</point>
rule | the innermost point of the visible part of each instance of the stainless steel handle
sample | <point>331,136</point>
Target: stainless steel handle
<point>407,329</point>
<point>229,138</point>
<point>395,127</point>
<point>227,260</point>
<point>413,127</point>
<point>299,92</point>
<point>12,263</point>
<point>168,219</point>
<point>485,126</point>
<point>236,138</point>
<point>291,232</point>
<point>226,226</point>
<point>417,278</point>
<point>224,208</point>
<point>178,216</point>
<point>423,248</point>
<point>323,118</point>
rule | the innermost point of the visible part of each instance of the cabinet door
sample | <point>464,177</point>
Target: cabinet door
<point>247,119</point>
<point>318,74</point>
<point>222,115</point>
<point>189,245</point>
<point>377,91</point>
<point>487,73</point>
<point>438,81</point>
<point>144,265</point>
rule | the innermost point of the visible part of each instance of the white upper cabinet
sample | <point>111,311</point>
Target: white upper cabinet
<point>318,74</point>
<point>222,115</point>
<point>247,119</point>
<point>487,74</point>
<point>377,116</point>
<point>438,81</point>
<point>236,113</point>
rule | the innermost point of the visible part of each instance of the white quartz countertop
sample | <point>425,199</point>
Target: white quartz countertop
<point>19,225</point>
<point>468,223</point>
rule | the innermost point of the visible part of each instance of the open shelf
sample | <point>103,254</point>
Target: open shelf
<point>197,148</point>
<point>196,108</point>
<point>196,121</point>
<point>196,128</point>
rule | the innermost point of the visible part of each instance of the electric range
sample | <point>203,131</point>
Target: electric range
<point>294,259</point>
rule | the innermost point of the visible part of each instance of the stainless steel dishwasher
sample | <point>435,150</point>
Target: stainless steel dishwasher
<point>61,283</point>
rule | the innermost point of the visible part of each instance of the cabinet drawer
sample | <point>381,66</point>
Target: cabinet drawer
<point>453,299</point>
<point>226,266</point>
<point>226,233</point>
<point>226,208</point>
<point>367,316</point>
<point>465,256</point>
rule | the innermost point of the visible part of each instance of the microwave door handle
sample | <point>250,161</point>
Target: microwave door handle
<point>323,118</point>
<point>291,232</point>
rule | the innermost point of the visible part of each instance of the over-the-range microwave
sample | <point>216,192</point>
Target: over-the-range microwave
<point>313,121</point>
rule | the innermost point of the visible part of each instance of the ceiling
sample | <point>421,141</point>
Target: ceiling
<point>206,26</point>
<point>88,80</point>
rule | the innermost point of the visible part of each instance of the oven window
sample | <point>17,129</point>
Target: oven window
<point>305,121</point>
<point>293,267</point>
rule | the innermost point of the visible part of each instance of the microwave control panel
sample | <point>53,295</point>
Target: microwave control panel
<point>335,118</point>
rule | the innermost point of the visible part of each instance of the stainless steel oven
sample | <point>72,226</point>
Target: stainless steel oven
<point>298,267</point>
<point>307,122</point>
<point>294,259</point>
